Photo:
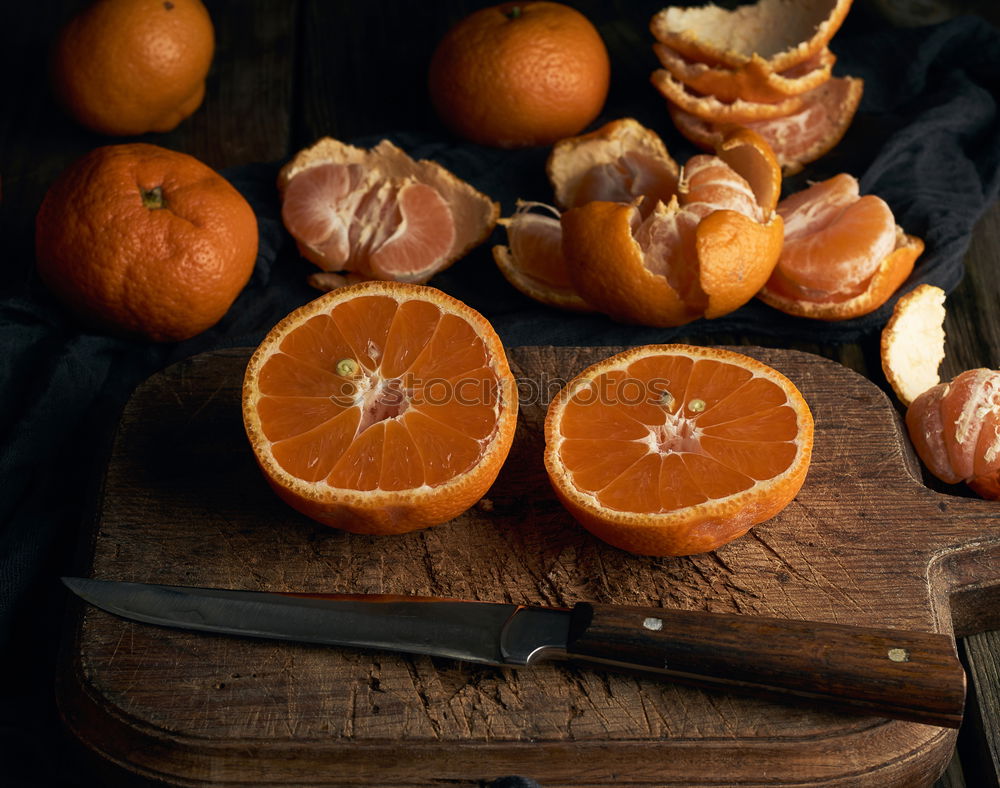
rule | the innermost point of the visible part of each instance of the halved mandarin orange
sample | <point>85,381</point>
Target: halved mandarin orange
<point>380,213</point>
<point>843,254</point>
<point>785,33</point>
<point>754,81</point>
<point>912,342</point>
<point>797,138</point>
<point>381,407</point>
<point>533,261</point>
<point>704,254</point>
<point>955,428</point>
<point>618,162</point>
<point>676,449</point>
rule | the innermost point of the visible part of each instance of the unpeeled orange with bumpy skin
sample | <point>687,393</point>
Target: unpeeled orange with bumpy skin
<point>145,241</point>
<point>380,407</point>
<point>126,67</point>
<point>676,449</point>
<point>520,74</point>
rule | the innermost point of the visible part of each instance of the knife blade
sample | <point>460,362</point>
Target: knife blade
<point>893,673</point>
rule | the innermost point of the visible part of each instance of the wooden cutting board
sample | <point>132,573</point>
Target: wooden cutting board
<point>865,542</point>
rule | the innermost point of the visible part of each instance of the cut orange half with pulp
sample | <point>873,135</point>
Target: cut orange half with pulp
<point>676,449</point>
<point>381,407</point>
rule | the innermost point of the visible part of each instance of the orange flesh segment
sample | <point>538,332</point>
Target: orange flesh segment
<point>632,175</point>
<point>418,409</point>
<point>667,237</point>
<point>536,240</point>
<point>684,431</point>
<point>346,219</point>
<point>834,239</point>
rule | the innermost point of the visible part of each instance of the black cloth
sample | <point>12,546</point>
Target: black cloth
<point>926,139</point>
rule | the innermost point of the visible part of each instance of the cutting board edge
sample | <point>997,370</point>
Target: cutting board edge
<point>909,753</point>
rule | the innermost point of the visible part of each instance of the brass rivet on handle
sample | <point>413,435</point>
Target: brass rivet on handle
<point>899,655</point>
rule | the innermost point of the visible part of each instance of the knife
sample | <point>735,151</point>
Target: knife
<point>912,676</point>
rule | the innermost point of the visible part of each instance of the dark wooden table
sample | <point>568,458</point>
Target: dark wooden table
<point>284,74</point>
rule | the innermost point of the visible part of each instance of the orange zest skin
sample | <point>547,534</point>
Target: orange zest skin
<point>380,407</point>
<point>674,449</point>
<point>127,67</point>
<point>754,81</point>
<point>520,74</point>
<point>783,34</point>
<point>145,241</point>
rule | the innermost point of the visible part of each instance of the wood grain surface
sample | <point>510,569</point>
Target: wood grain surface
<point>865,542</point>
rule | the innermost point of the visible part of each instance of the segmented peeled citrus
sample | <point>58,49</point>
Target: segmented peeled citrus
<point>619,162</point>
<point>843,254</point>
<point>955,428</point>
<point>675,449</point>
<point>380,213</point>
<point>380,407</point>
<point>533,262</point>
<point>704,254</point>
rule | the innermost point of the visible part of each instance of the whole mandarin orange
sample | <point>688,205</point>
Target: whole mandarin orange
<point>520,74</point>
<point>145,241</point>
<point>126,67</point>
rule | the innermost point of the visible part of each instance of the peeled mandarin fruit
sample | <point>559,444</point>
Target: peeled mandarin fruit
<point>843,254</point>
<point>955,428</point>
<point>520,74</point>
<point>620,161</point>
<point>675,449</point>
<point>912,342</point>
<point>704,254</point>
<point>379,213</point>
<point>381,407</point>
<point>127,67</point>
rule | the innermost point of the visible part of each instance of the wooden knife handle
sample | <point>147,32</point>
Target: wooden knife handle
<point>893,673</point>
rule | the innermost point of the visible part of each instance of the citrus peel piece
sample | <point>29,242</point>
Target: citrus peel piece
<point>796,139</point>
<point>754,81</point>
<point>784,33</point>
<point>912,342</point>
